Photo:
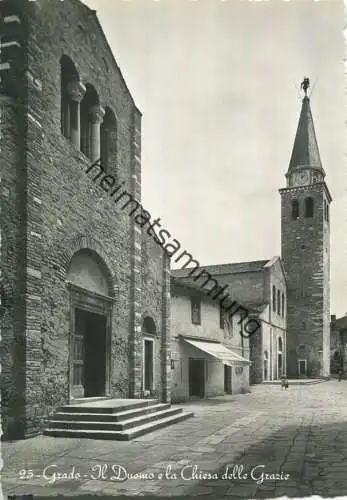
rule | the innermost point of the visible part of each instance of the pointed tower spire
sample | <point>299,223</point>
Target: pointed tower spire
<point>305,150</point>
<point>305,165</point>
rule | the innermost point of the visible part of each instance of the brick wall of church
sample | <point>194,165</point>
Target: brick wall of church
<point>305,254</point>
<point>65,209</point>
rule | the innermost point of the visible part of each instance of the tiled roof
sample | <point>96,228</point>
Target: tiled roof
<point>220,269</point>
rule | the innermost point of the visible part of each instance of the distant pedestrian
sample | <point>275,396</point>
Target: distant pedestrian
<point>340,374</point>
<point>284,383</point>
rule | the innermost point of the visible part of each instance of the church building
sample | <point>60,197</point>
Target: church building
<point>84,289</point>
<point>305,229</point>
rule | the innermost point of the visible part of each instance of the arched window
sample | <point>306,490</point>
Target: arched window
<point>108,138</point>
<point>327,212</point>
<point>148,326</point>
<point>295,209</point>
<point>283,305</point>
<point>309,207</point>
<point>274,298</point>
<point>68,74</point>
<point>89,100</point>
<point>278,302</point>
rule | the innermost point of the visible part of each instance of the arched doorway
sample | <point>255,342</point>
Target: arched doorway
<point>149,333</point>
<point>90,325</point>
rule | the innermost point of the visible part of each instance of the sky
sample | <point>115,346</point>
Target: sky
<point>217,83</point>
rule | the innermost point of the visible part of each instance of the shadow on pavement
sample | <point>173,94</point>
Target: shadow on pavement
<point>313,464</point>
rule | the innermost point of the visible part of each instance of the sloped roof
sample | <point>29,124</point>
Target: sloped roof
<point>185,284</point>
<point>305,150</point>
<point>340,323</point>
<point>220,269</point>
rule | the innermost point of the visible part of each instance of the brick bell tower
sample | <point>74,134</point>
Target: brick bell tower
<point>305,234</point>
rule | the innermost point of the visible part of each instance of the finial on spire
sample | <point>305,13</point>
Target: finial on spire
<point>305,85</point>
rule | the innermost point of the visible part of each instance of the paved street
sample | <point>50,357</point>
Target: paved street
<point>300,435</point>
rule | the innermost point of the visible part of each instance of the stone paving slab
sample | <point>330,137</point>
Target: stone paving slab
<point>301,433</point>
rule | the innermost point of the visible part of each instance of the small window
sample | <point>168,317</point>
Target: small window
<point>221,316</point>
<point>68,74</point>
<point>280,344</point>
<point>309,207</point>
<point>196,311</point>
<point>105,64</point>
<point>89,100</point>
<point>278,302</point>
<point>108,141</point>
<point>295,209</point>
<point>283,305</point>
<point>274,298</point>
<point>325,209</point>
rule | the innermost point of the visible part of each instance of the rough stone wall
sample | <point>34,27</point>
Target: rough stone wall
<point>156,304</point>
<point>53,209</point>
<point>305,254</point>
<point>13,127</point>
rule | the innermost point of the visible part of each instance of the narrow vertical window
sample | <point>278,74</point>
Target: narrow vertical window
<point>309,207</point>
<point>283,305</point>
<point>68,75</point>
<point>221,316</point>
<point>295,209</point>
<point>196,310</point>
<point>108,139</point>
<point>325,209</point>
<point>327,212</point>
<point>89,100</point>
<point>274,298</point>
<point>278,302</point>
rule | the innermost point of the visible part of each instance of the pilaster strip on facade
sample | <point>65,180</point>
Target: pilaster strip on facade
<point>34,148</point>
<point>135,341</point>
<point>165,334</point>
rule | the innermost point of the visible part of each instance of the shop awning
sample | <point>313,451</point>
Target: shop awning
<point>219,351</point>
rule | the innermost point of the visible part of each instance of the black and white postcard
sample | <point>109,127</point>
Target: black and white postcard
<point>173,261</point>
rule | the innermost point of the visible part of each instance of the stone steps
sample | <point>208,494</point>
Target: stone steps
<point>112,421</point>
<point>109,417</point>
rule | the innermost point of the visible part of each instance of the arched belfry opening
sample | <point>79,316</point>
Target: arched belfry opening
<point>91,304</point>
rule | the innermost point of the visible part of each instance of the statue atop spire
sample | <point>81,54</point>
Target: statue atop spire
<point>305,85</point>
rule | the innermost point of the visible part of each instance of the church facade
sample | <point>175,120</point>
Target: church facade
<point>305,230</point>
<point>72,263</point>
